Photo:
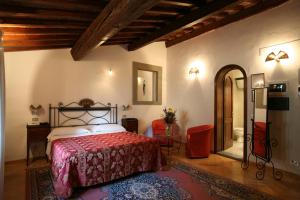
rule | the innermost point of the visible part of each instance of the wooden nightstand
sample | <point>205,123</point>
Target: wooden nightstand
<point>130,124</point>
<point>37,133</point>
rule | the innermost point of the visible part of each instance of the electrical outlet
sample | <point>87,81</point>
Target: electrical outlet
<point>295,163</point>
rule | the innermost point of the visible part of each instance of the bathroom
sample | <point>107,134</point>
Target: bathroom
<point>236,149</point>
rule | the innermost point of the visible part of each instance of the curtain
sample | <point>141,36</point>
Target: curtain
<point>2,112</point>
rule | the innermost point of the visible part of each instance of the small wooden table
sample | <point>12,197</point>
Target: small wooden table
<point>175,138</point>
<point>131,124</point>
<point>37,133</point>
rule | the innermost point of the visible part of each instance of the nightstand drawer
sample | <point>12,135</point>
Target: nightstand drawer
<point>38,136</point>
<point>39,131</point>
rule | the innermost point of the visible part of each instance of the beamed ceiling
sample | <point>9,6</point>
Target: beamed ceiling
<point>84,24</point>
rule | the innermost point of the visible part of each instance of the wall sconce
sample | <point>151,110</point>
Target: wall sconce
<point>278,57</point>
<point>194,71</point>
<point>126,107</point>
<point>110,71</point>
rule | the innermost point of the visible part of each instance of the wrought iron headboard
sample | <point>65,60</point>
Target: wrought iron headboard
<point>83,113</point>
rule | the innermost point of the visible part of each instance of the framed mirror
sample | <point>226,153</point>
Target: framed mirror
<point>258,81</point>
<point>147,84</point>
<point>260,123</point>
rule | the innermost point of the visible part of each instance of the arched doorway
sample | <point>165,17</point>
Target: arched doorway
<point>223,108</point>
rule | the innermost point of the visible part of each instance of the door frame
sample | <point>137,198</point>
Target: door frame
<point>219,107</point>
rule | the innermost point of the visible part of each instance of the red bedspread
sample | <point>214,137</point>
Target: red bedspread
<point>89,160</point>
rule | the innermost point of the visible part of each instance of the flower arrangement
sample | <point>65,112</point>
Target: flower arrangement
<point>169,115</point>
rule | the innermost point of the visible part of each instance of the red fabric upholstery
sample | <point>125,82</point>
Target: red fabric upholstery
<point>198,141</point>
<point>260,138</point>
<point>159,131</point>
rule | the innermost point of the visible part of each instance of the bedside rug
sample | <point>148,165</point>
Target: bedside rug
<point>178,183</point>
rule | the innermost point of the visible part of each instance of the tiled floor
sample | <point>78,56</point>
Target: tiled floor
<point>236,151</point>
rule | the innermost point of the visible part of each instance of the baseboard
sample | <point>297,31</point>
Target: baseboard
<point>15,161</point>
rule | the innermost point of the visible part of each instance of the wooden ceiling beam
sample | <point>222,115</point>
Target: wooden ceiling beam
<point>181,3</point>
<point>68,5</point>
<point>38,37</point>
<point>124,38</point>
<point>146,26</point>
<point>159,18</point>
<point>138,23</point>
<point>171,9</point>
<point>115,16</point>
<point>162,12</point>
<point>57,31</point>
<point>35,26</point>
<point>139,30</point>
<point>157,21</point>
<point>259,7</point>
<point>5,20</point>
<point>11,43</point>
<point>122,33</point>
<point>188,20</point>
<point>25,13</point>
<point>30,48</point>
<point>200,3</point>
<point>115,43</point>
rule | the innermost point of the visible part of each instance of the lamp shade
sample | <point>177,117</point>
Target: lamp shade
<point>194,70</point>
<point>282,55</point>
<point>270,57</point>
<point>278,57</point>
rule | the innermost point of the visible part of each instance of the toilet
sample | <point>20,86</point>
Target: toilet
<point>239,134</point>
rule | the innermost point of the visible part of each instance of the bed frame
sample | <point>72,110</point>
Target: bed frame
<point>84,112</point>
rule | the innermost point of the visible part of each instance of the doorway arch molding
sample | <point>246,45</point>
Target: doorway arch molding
<point>219,107</point>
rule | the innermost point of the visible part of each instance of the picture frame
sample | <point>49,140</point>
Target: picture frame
<point>141,88</point>
<point>257,81</point>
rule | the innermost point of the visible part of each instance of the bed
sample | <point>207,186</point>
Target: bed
<point>86,148</point>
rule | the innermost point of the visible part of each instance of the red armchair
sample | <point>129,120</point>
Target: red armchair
<point>198,141</point>
<point>159,131</point>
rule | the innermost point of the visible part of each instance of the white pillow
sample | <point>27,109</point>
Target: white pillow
<point>61,131</point>
<point>106,128</point>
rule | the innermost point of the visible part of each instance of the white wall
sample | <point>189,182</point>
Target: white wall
<point>239,43</point>
<point>43,77</point>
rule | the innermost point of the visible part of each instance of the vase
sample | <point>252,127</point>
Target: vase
<point>168,130</point>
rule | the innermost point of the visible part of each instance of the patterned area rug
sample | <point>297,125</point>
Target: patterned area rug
<point>178,183</point>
